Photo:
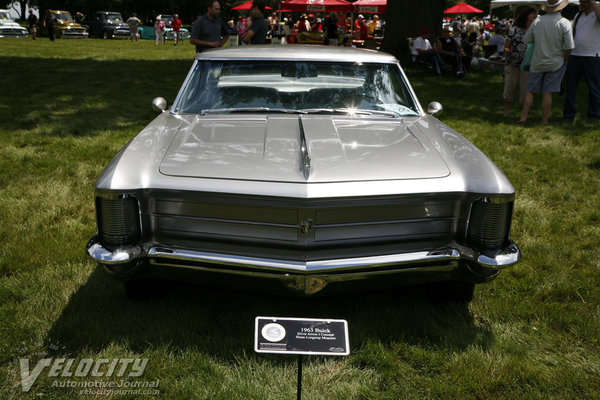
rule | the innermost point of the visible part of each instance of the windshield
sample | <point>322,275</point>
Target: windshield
<point>65,16</point>
<point>167,20</point>
<point>114,17</point>
<point>296,85</point>
<point>4,15</point>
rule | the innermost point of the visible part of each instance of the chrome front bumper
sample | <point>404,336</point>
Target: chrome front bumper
<point>442,263</point>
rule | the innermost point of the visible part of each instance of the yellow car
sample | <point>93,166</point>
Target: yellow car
<point>66,27</point>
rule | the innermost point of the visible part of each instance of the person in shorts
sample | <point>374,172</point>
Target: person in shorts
<point>133,23</point>
<point>553,39</point>
<point>176,25</point>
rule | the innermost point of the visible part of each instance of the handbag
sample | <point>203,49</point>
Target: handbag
<point>526,63</point>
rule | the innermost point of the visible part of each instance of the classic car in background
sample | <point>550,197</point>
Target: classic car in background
<point>307,168</point>
<point>108,25</point>
<point>66,27</point>
<point>9,28</point>
<point>147,31</point>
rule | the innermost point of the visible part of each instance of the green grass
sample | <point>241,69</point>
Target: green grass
<point>66,109</point>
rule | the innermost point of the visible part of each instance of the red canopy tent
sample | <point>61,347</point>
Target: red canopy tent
<point>317,5</point>
<point>247,6</point>
<point>463,8</point>
<point>370,6</point>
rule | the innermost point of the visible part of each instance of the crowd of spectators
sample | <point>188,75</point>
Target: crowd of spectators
<point>333,27</point>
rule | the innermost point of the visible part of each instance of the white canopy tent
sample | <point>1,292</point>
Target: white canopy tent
<point>536,3</point>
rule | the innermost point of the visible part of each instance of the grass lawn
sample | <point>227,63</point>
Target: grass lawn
<point>67,108</point>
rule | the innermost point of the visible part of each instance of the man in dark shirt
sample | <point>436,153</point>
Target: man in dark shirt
<point>50,24</point>
<point>258,31</point>
<point>32,20</point>
<point>209,31</point>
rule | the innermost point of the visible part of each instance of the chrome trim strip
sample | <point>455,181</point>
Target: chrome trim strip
<point>304,156</point>
<point>307,266</point>
<point>130,254</point>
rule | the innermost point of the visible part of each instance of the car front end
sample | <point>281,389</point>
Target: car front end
<point>320,174</point>
<point>9,28</point>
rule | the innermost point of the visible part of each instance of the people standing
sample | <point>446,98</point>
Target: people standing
<point>32,21</point>
<point>553,39</point>
<point>374,26</point>
<point>331,25</point>
<point>303,24</point>
<point>133,22</point>
<point>50,24</point>
<point>584,60</point>
<point>159,30</point>
<point>176,26</point>
<point>423,51</point>
<point>257,33</point>
<point>515,47</point>
<point>361,27</point>
<point>209,31</point>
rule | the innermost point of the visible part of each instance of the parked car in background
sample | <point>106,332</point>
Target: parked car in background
<point>66,27</point>
<point>108,25</point>
<point>307,168</point>
<point>9,28</point>
<point>147,31</point>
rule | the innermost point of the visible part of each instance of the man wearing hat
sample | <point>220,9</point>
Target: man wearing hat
<point>584,60</point>
<point>422,51</point>
<point>553,39</point>
<point>361,26</point>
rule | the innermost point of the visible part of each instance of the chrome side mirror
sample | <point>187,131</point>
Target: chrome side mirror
<point>159,104</point>
<point>434,108</point>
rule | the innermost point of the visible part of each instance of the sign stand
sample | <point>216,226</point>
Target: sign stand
<point>299,391</point>
<point>328,337</point>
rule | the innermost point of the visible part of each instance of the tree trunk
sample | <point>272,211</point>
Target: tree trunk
<point>405,19</point>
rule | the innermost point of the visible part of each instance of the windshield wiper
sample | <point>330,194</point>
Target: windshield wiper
<point>250,110</point>
<point>347,111</point>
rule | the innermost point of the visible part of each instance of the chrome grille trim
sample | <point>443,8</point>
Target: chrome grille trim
<point>118,221</point>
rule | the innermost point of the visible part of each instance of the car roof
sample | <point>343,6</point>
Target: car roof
<point>297,52</point>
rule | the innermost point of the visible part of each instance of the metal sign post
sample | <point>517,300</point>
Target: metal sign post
<point>301,336</point>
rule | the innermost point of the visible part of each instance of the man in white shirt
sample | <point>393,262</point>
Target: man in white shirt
<point>584,60</point>
<point>422,51</point>
<point>553,40</point>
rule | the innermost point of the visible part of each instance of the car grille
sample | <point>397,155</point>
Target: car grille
<point>74,32</point>
<point>12,32</point>
<point>305,225</point>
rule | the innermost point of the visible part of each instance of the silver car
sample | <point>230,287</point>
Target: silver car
<point>307,168</point>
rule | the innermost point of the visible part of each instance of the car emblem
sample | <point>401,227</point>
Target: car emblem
<point>306,226</point>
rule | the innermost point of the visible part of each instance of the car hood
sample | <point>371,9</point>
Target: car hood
<point>7,23</point>
<point>270,148</point>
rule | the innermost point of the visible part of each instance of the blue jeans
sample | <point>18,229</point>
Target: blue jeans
<point>589,68</point>
<point>434,58</point>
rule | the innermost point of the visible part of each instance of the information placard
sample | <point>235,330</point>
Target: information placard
<point>301,336</point>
